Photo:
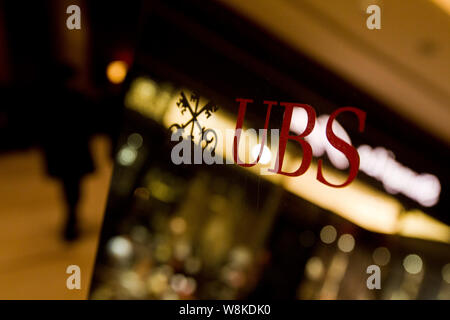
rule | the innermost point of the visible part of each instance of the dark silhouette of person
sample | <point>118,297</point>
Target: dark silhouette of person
<point>66,130</point>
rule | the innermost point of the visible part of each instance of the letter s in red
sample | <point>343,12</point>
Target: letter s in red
<point>348,150</point>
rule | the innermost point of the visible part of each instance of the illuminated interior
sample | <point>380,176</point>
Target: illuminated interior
<point>359,203</point>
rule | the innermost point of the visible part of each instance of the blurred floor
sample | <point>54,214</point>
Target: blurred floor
<point>33,259</point>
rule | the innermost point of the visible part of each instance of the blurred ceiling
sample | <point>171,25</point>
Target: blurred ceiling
<point>406,64</point>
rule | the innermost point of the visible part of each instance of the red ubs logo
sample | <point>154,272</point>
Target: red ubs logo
<point>347,149</point>
<point>204,151</point>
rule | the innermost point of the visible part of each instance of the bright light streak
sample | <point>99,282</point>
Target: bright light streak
<point>417,224</point>
<point>378,163</point>
<point>381,256</point>
<point>443,4</point>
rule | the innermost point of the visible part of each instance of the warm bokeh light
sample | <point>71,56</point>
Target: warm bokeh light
<point>328,234</point>
<point>119,247</point>
<point>117,71</point>
<point>178,225</point>
<point>413,264</point>
<point>127,155</point>
<point>346,243</point>
<point>381,256</point>
<point>314,268</point>
<point>135,140</point>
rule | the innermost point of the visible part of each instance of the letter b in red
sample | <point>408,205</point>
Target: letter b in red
<point>285,136</point>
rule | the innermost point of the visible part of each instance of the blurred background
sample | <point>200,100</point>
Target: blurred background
<point>58,120</point>
<point>78,103</point>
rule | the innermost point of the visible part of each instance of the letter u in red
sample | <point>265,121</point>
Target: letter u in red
<point>239,123</point>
